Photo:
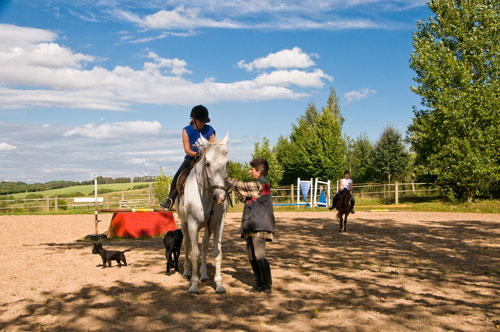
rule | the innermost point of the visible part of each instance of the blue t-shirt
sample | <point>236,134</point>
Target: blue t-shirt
<point>194,137</point>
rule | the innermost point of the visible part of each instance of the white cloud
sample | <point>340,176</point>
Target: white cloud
<point>358,94</point>
<point>54,76</point>
<point>25,48</point>
<point>295,77</point>
<point>294,58</point>
<point>115,130</point>
<point>7,147</point>
<point>12,35</point>
<point>183,18</point>
<point>267,14</point>
<point>176,66</point>
<point>141,162</point>
<point>44,155</point>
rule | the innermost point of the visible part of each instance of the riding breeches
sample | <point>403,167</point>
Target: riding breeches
<point>256,247</point>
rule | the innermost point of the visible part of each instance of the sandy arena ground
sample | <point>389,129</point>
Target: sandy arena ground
<point>392,271</point>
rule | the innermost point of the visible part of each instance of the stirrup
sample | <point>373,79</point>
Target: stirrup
<point>167,204</point>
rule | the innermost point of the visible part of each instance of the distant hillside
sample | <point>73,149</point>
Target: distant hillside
<point>82,190</point>
<point>10,188</point>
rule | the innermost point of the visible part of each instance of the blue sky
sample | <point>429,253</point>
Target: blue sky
<point>105,87</point>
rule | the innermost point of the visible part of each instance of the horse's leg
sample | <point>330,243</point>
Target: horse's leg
<point>345,222</point>
<point>340,223</point>
<point>218,256</point>
<point>195,255</point>
<point>204,249</point>
<point>187,250</point>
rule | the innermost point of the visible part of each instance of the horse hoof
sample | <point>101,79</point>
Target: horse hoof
<point>220,290</point>
<point>186,275</point>
<point>193,290</point>
<point>204,279</point>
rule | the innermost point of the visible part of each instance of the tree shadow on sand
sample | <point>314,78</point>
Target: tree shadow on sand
<point>318,274</point>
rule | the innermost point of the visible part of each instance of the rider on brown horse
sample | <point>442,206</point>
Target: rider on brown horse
<point>346,183</point>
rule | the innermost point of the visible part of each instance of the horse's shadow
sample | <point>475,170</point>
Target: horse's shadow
<point>245,276</point>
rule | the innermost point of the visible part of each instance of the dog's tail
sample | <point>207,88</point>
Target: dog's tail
<point>126,250</point>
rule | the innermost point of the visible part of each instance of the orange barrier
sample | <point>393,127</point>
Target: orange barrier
<point>141,224</point>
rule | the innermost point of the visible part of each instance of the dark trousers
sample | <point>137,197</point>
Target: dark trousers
<point>173,186</point>
<point>337,197</point>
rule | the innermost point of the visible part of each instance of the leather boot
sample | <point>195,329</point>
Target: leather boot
<point>267,281</point>
<point>258,276</point>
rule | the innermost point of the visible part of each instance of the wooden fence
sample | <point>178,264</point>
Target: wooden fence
<point>365,194</point>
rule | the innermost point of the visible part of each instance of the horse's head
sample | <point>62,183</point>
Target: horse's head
<point>216,162</point>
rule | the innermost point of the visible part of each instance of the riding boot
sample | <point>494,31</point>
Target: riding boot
<point>168,203</point>
<point>267,281</point>
<point>334,204</point>
<point>258,276</point>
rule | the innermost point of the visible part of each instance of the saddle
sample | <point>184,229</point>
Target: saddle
<point>181,180</point>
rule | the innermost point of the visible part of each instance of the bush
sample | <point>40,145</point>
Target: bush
<point>140,186</point>
<point>101,191</point>
<point>61,204</point>
<point>34,196</point>
<point>75,194</point>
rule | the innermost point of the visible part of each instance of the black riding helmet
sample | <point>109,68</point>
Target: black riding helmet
<point>200,112</point>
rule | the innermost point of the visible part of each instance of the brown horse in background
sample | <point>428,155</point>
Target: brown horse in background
<point>344,208</point>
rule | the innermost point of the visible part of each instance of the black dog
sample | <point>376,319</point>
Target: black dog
<point>108,255</point>
<point>173,241</point>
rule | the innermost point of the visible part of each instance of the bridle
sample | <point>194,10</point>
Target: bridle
<point>207,186</point>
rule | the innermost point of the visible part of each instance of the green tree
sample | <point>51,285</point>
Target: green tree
<point>275,169</point>
<point>315,147</point>
<point>359,155</point>
<point>239,171</point>
<point>456,135</point>
<point>390,159</point>
<point>161,188</point>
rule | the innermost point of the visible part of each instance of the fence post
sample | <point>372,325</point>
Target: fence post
<point>397,192</point>
<point>108,201</point>
<point>412,186</point>
<point>291,193</point>
<point>56,204</point>
<point>48,204</point>
<point>150,194</point>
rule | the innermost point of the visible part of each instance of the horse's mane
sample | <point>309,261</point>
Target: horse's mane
<point>215,141</point>
<point>344,204</point>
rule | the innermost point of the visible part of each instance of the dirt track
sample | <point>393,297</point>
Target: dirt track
<point>393,271</point>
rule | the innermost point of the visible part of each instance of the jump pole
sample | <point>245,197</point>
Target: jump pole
<point>96,220</point>
<point>128,210</point>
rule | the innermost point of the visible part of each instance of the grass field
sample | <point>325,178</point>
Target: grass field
<point>86,190</point>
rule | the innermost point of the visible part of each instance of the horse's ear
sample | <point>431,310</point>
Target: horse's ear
<point>203,140</point>
<point>226,139</point>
